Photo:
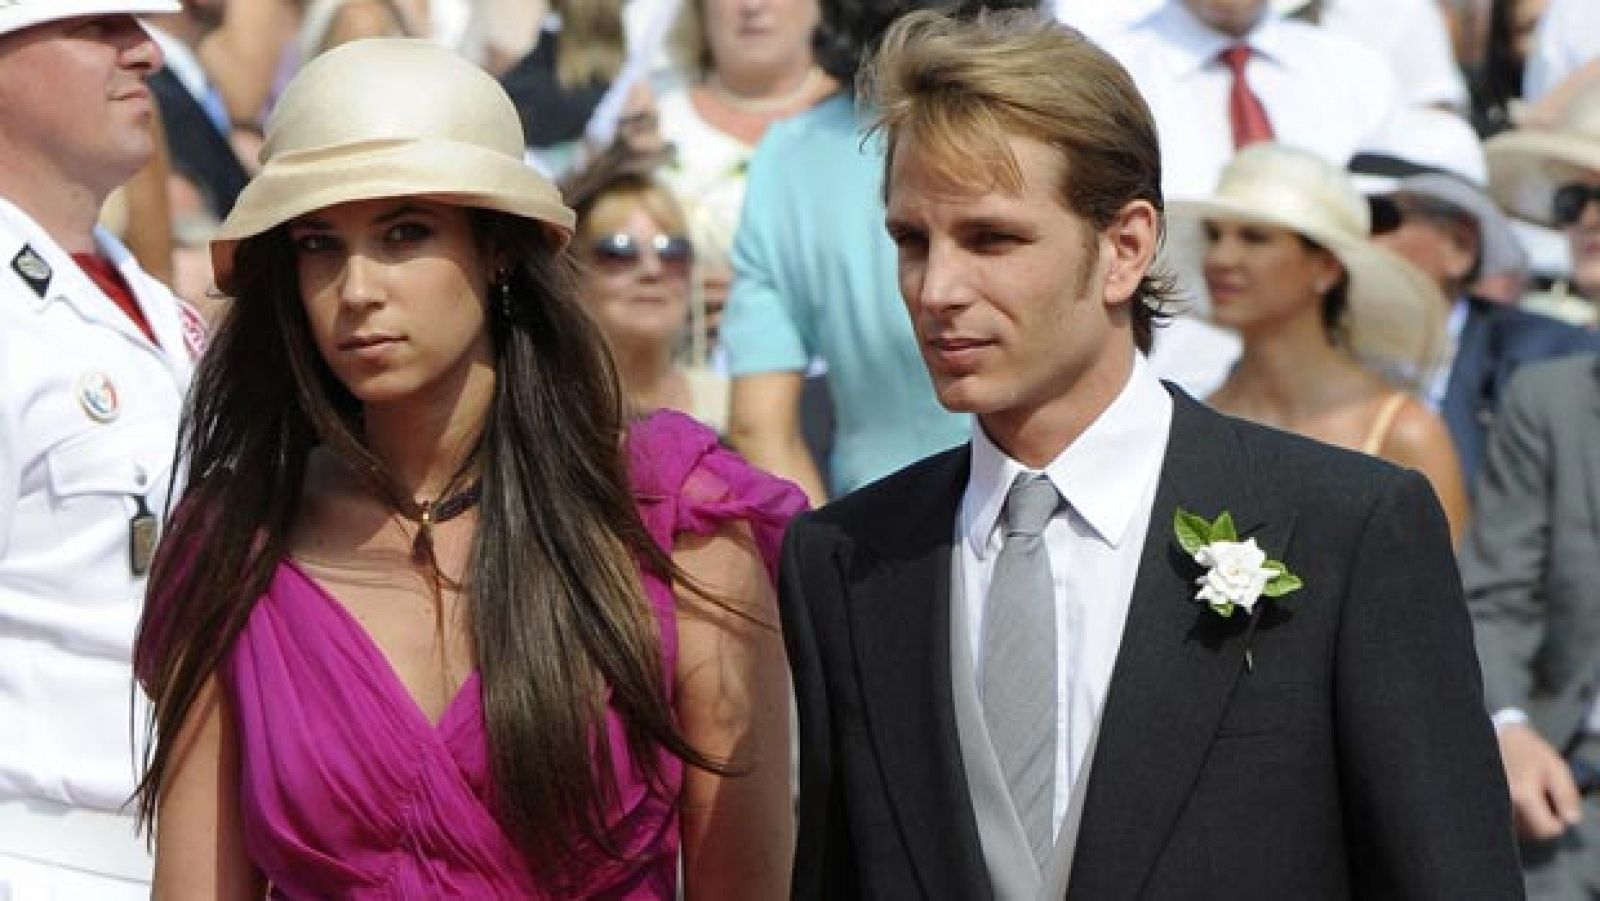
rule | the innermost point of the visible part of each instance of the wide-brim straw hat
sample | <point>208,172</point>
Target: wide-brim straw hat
<point>1527,165</point>
<point>1397,313</point>
<point>1436,154</point>
<point>19,14</point>
<point>390,117</point>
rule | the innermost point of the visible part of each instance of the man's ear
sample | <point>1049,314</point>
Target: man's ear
<point>1129,244</point>
<point>1465,246</point>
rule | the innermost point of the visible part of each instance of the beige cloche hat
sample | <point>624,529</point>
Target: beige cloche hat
<point>1397,313</point>
<point>1527,165</point>
<point>390,117</point>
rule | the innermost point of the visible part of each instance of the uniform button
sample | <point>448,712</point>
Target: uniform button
<point>140,477</point>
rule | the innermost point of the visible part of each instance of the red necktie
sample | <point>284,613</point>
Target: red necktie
<point>1245,112</point>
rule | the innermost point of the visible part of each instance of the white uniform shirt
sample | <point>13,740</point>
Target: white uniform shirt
<point>1323,91</point>
<point>1108,477</point>
<point>88,418</point>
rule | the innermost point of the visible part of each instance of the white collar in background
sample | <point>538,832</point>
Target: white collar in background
<point>1200,44</point>
<point>1103,474</point>
<point>182,62</point>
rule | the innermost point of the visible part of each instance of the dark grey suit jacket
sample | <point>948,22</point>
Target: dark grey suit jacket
<point>1496,340</point>
<point>1532,560</point>
<point>1355,760</point>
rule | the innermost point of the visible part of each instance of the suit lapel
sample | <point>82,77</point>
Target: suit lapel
<point>1592,458</point>
<point>1177,665</point>
<point>1469,370</point>
<point>899,603</point>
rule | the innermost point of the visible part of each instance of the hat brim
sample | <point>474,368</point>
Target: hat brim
<point>27,16</point>
<point>1397,313</point>
<point>1526,168</point>
<point>445,171</point>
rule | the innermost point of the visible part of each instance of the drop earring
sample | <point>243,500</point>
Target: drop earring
<point>503,290</point>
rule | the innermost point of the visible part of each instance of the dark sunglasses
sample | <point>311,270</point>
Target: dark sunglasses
<point>1569,201</point>
<point>1390,211</point>
<point>622,250</point>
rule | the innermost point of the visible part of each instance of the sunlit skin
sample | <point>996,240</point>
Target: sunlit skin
<point>642,303</point>
<point>760,47</point>
<point>1269,285</point>
<point>1262,277</point>
<point>1524,21</point>
<point>1431,247</point>
<point>74,107</point>
<point>1584,239</point>
<point>395,294</point>
<point>1231,17</point>
<point>1020,308</point>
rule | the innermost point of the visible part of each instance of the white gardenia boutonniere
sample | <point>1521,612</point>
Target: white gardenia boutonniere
<point>1237,573</point>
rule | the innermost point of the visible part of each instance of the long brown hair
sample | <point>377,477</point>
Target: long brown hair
<point>555,600</point>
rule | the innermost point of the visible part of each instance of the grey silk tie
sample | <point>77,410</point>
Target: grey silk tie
<point>1018,656</point>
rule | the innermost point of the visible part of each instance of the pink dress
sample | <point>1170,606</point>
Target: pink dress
<point>349,792</point>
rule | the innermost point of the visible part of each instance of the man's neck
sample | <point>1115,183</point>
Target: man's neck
<point>1036,436</point>
<point>67,213</point>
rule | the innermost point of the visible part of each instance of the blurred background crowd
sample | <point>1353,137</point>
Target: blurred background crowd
<point>651,112</point>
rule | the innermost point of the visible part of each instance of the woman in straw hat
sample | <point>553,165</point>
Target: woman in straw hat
<point>1288,265</point>
<point>433,620</point>
<point>1552,177</point>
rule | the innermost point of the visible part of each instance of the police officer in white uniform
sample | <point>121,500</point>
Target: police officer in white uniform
<point>92,377</point>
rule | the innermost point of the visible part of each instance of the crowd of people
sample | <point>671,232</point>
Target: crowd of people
<point>409,411</point>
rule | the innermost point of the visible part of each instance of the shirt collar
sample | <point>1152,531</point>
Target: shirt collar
<point>1197,44</point>
<point>1128,439</point>
<point>182,62</point>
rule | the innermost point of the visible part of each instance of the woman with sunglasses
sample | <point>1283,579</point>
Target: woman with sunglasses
<point>1321,312</point>
<point>434,619</point>
<point>1552,177</point>
<point>637,280</point>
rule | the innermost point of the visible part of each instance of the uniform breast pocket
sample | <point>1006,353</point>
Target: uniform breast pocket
<point>108,488</point>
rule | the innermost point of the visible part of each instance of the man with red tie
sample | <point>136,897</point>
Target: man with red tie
<point>1220,74</point>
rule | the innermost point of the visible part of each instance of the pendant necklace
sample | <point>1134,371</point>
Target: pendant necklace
<point>440,510</point>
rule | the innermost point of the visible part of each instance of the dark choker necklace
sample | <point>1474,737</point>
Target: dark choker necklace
<point>439,510</point>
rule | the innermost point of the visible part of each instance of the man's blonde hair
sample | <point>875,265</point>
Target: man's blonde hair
<point>957,88</point>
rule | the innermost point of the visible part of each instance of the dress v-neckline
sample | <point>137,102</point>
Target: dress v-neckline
<point>396,687</point>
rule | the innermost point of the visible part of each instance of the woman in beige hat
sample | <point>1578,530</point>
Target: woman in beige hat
<point>1552,177</point>
<point>433,619</point>
<point>1321,311</point>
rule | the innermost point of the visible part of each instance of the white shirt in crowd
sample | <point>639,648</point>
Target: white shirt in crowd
<point>1410,34</point>
<point>1108,478</point>
<point>1568,36</point>
<point>1322,91</point>
<point>1413,37</point>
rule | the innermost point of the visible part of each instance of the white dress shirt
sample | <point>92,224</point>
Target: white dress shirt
<point>1323,91</point>
<point>1108,477</point>
<point>1437,383</point>
<point>1413,37</point>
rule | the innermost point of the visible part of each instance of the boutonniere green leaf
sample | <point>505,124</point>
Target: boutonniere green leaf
<point>1237,573</point>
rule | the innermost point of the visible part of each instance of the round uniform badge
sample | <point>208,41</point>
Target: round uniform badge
<point>98,397</point>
